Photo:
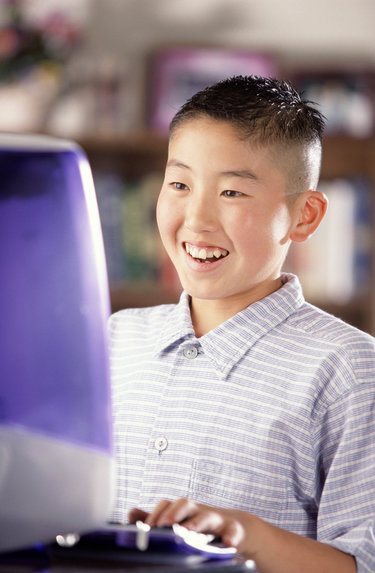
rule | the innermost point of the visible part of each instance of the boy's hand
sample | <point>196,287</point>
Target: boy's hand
<point>194,516</point>
<point>274,550</point>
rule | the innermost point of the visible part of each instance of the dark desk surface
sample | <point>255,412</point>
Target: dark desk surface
<point>132,561</point>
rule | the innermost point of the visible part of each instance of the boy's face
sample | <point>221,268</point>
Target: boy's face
<point>222,214</point>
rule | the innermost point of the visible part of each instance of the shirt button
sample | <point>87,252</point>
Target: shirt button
<point>190,352</point>
<point>161,443</point>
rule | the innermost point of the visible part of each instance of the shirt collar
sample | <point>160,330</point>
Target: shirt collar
<point>178,325</point>
<point>227,343</point>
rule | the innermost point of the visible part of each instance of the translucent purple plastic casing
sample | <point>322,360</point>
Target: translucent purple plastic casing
<point>54,305</point>
<point>54,297</point>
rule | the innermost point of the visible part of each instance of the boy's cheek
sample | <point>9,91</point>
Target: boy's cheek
<point>167,235</point>
<point>161,219</point>
<point>168,218</point>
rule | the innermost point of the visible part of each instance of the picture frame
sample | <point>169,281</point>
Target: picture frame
<point>179,72</point>
<point>344,97</point>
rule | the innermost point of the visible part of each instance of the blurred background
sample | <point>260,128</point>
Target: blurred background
<point>110,74</point>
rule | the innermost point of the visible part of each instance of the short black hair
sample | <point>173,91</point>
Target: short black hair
<point>268,110</point>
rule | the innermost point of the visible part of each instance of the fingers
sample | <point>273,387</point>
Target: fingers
<point>194,516</point>
<point>210,520</point>
<point>204,519</point>
<point>232,533</point>
<point>136,514</point>
<point>164,514</point>
<point>168,513</point>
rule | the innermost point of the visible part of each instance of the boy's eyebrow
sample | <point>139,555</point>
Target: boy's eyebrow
<point>242,173</point>
<point>176,163</point>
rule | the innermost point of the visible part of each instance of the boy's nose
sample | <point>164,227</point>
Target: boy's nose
<point>200,215</point>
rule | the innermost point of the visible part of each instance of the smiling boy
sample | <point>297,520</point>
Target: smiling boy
<point>223,195</point>
<point>249,410</point>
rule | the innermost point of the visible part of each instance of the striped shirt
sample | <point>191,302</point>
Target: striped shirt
<point>272,412</point>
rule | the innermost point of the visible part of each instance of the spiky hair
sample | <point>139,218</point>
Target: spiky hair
<point>266,109</point>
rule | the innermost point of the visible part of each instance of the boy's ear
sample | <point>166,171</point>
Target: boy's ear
<point>310,208</point>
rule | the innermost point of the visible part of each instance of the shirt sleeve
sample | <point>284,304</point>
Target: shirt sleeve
<point>346,450</point>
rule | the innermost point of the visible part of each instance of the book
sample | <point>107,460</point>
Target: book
<point>132,244</point>
<point>334,265</point>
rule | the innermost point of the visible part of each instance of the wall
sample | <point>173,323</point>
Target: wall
<point>299,31</point>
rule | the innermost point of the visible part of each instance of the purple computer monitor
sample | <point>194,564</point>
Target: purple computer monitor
<point>55,410</point>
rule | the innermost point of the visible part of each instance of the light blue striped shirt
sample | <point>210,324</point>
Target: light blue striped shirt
<point>272,412</point>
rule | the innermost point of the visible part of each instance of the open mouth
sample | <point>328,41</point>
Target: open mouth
<point>205,254</point>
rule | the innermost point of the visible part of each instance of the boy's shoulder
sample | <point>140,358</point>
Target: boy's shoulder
<point>311,324</point>
<point>145,317</point>
<point>325,327</point>
<point>344,356</point>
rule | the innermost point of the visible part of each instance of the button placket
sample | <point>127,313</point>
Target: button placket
<point>161,444</point>
<point>190,352</point>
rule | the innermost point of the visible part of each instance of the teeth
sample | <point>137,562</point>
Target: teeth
<point>202,253</point>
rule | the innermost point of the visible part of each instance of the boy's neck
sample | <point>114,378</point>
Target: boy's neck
<point>207,314</point>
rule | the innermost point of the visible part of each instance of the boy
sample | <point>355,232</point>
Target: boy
<point>251,410</point>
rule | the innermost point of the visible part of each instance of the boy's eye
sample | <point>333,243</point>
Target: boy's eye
<point>230,193</point>
<point>180,186</point>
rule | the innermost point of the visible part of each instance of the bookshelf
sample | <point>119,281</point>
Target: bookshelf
<point>136,155</point>
<point>350,158</point>
<point>132,158</point>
